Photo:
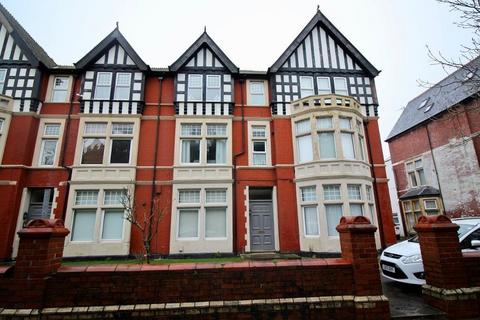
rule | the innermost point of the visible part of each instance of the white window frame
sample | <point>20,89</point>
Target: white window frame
<point>310,78</point>
<point>320,92</point>
<point>103,85</point>
<point>3,78</point>
<point>115,92</point>
<point>342,92</point>
<point>219,87</point>
<point>251,94</point>
<point>189,84</point>
<point>66,89</point>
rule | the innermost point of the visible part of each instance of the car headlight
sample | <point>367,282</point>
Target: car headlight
<point>416,258</point>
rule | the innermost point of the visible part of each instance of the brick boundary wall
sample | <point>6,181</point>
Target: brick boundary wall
<point>452,280</point>
<point>346,288</point>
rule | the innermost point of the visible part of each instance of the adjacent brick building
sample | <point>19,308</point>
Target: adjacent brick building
<point>239,161</point>
<point>434,147</point>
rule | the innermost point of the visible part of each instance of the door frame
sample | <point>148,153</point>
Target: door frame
<point>275,218</point>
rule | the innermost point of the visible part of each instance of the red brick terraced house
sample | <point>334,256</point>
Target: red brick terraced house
<point>435,148</point>
<point>240,161</point>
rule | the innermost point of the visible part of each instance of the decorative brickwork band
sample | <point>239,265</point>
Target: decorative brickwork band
<point>448,287</point>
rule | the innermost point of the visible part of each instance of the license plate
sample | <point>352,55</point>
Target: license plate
<point>388,268</point>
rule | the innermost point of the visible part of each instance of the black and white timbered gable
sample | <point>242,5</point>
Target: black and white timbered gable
<point>21,62</point>
<point>322,61</point>
<point>113,77</point>
<point>204,80</point>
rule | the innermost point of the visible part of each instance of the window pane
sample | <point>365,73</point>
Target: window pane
<point>95,128</point>
<point>323,85</point>
<point>324,123</point>
<point>341,86</point>
<point>213,94</point>
<point>215,222</point>
<point>113,197</point>
<point>306,86</point>
<point>195,80</point>
<point>189,196</point>
<point>410,167</point>
<point>122,128</point>
<point>123,79</point>
<point>188,223</point>
<point>356,209</point>
<point>52,130</point>
<point>104,78</point>
<point>120,151</point>
<point>310,219</point>
<point>83,225</point>
<point>418,164</point>
<point>112,224</point>
<point>191,129</point>
<point>331,192</point>
<point>372,213</point>
<point>421,176</point>
<point>195,94</point>
<point>347,145</point>
<point>305,152</point>
<point>216,129</point>
<point>259,159</point>
<point>59,96</point>
<point>308,193</point>
<point>326,141</point>
<point>362,147</point>
<point>334,213</point>
<point>369,193</point>
<point>122,93</point>
<point>430,204</point>
<point>345,123</point>
<point>259,146</point>
<point>48,152</point>
<point>190,151</point>
<point>86,197</point>
<point>259,131</point>
<point>354,192</point>
<point>413,179</point>
<point>216,151</point>
<point>93,151</point>
<point>216,196</point>
<point>303,126</point>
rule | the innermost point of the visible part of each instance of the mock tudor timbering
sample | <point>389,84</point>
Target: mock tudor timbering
<point>237,161</point>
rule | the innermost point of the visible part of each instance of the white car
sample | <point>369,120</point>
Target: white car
<point>403,261</point>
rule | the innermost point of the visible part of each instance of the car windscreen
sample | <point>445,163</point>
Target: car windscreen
<point>464,229</point>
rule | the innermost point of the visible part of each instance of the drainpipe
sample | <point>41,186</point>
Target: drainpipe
<point>375,188</point>
<point>155,153</point>
<point>435,166</point>
<point>64,147</point>
<point>242,151</point>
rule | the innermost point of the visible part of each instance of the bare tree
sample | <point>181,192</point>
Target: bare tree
<point>145,220</point>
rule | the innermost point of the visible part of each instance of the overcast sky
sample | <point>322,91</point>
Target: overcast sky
<point>391,34</point>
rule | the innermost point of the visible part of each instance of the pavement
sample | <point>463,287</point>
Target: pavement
<point>406,301</point>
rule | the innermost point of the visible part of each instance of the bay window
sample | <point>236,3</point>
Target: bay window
<point>207,145</point>
<point>102,208</point>
<point>304,141</point>
<point>215,213</point>
<point>97,135</point>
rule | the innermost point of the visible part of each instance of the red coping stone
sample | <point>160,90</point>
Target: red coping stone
<point>155,267</point>
<point>107,268</point>
<point>128,267</point>
<point>183,266</point>
<point>338,262</point>
<point>313,262</point>
<point>236,265</point>
<point>208,265</point>
<point>262,264</point>
<point>68,269</point>
<point>289,263</point>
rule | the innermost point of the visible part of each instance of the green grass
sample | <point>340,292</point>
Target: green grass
<point>156,261</point>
